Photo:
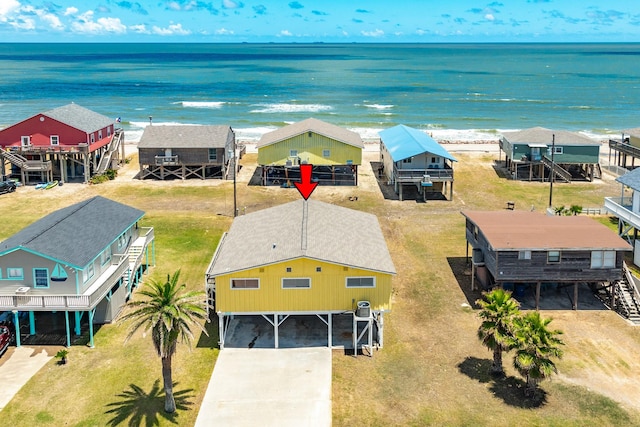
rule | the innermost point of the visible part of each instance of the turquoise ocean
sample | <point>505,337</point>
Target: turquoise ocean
<point>454,91</point>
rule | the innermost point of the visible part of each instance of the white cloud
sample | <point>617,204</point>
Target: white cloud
<point>70,11</point>
<point>52,20</point>
<point>285,33</point>
<point>225,32</point>
<point>489,17</point>
<point>171,30</point>
<point>375,33</point>
<point>23,24</point>
<point>7,7</point>
<point>86,24</point>
<point>231,4</point>
<point>141,29</point>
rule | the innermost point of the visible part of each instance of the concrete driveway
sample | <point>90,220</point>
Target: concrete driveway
<point>269,387</point>
<point>17,366</point>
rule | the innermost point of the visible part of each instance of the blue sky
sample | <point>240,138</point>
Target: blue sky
<point>374,21</point>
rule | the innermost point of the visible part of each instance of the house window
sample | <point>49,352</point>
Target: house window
<point>26,141</point>
<point>100,134</point>
<point>40,278</point>
<point>558,150</point>
<point>296,283</point>
<point>14,273</point>
<point>88,272</point>
<point>318,269</point>
<point>109,131</point>
<point>603,259</point>
<point>122,241</point>
<point>213,154</point>
<point>293,153</point>
<point>55,139</point>
<point>475,232</point>
<point>93,138</point>
<point>553,257</point>
<point>524,254</point>
<point>245,283</point>
<point>434,160</point>
<point>406,160</point>
<point>326,153</point>
<point>105,256</point>
<point>288,269</point>
<point>361,282</point>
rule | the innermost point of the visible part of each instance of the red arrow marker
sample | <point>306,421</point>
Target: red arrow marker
<point>305,186</point>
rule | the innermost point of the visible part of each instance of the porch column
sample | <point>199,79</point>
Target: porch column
<point>32,323</point>
<point>356,174</point>
<point>330,330</point>
<point>381,329</point>
<point>221,330</point>
<point>538,296</point>
<point>77,323</point>
<point>575,296</point>
<point>91,315</point>
<point>66,324</point>
<point>275,330</point>
<point>153,252</point>
<point>451,191</point>
<point>16,322</point>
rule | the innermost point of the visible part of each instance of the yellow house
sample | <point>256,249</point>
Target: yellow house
<point>334,152</point>
<point>302,258</point>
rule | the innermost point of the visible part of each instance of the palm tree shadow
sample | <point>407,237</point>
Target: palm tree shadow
<point>138,408</point>
<point>509,389</point>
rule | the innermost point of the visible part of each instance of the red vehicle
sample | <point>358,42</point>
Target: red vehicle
<point>5,338</point>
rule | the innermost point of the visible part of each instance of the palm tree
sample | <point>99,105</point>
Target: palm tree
<point>169,315</point>
<point>498,311</point>
<point>537,345</point>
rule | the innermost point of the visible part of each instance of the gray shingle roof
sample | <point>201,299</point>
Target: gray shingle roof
<point>540,135</point>
<point>76,234</point>
<point>314,125</point>
<point>79,117</point>
<point>333,234</point>
<point>631,179</point>
<point>190,136</point>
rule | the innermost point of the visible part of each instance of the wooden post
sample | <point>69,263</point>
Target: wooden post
<point>538,296</point>
<point>473,276</point>
<point>575,296</point>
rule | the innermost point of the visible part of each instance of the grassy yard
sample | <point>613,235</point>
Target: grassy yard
<point>432,369</point>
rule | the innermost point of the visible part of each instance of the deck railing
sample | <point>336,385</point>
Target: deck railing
<point>416,175</point>
<point>622,208</point>
<point>166,160</point>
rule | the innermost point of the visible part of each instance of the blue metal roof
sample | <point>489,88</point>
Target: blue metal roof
<point>403,142</point>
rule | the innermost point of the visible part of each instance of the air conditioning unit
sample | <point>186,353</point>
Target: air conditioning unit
<point>22,290</point>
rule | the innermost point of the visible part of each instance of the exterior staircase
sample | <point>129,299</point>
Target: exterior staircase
<point>114,145</point>
<point>628,297</point>
<point>24,163</point>
<point>558,171</point>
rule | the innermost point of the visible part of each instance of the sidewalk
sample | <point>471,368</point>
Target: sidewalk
<point>19,364</point>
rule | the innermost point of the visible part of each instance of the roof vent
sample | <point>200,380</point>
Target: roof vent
<point>274,246</point>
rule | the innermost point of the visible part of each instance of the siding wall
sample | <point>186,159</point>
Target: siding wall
<point>328,289</point>
<point>310,150</point>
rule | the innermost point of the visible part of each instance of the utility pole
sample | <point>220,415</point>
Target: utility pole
<point>235,170</point>
<point>553,149</point>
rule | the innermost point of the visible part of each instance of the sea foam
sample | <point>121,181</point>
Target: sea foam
<point>290,108</point>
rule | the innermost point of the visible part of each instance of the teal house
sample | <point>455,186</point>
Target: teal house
<point>81,262</point>
<point>410,157</point>
<point>533,153</point>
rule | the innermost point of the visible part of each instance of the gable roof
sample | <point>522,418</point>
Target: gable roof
<point>403,142</point>
<point>300,229</point>
<point>76,234</point>
<point>630,179</point>
<point>540,135</point>
<point>189,136</point>
<point>520,230</point>
<point>79,117</point>
<point>314,125</point>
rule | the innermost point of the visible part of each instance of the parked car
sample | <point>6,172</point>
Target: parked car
<point>7,187</point>
<point>5,338</point>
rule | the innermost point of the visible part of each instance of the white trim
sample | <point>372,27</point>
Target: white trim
<point>25,141</point>
<point>295,287</point>
<point>55,138</point>
<point>243,278</point>
<point>346,282</point>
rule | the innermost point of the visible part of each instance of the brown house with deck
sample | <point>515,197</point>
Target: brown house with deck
<point>523,250</point>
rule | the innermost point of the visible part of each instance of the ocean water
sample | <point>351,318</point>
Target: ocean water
<point>454,91</point>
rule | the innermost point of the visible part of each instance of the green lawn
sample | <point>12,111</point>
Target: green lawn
<point>432,369</point>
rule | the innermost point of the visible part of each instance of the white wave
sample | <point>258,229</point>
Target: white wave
<point>379,106</point>
<point>202,104</point>
<point>291,108</point>
<point>252,134</point>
